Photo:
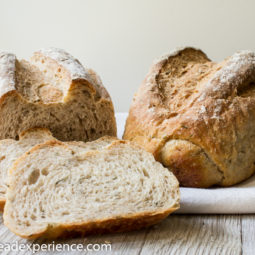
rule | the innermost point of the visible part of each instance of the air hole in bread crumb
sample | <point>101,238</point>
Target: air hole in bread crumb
<point>3,157</point>
<point>246,91</point>
<point>145,173</point>
<point>45,172</point>
<point>33,177</point>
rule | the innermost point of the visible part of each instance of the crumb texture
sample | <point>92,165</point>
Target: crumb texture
<point>56,186</point>
<point>10,150</point>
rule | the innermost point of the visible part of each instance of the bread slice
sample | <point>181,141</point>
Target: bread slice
<point>58,190</point>
<point>53,90</point>
<point>11,149</point>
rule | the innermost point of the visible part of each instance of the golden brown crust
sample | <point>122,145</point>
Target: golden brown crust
<point>186,96</point>
<point>118,224</point>
<point>2,203</point>
<point>76,72</point>
<point>190,164</point>
<point>103,138</point>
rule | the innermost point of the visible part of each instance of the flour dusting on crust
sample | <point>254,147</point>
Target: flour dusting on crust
<point>236,62</point>
<point>7,72</point>
<point>237,68</point>
<point>70,63</point>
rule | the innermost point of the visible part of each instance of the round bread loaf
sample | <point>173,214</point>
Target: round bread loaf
<point>197,117</point>
<point>53,90</point>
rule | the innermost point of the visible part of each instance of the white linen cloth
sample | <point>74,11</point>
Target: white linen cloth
<point>232,200</point>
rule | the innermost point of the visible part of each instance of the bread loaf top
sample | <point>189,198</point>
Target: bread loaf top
<point>73,70</point>
<point>53,90</point>
<point>74,67</point>
<point>186,96</point>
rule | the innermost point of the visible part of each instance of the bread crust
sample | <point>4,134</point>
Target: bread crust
<point>2,203</point>
<point>211,105</point>
<point>104,226</point>
<point>63,115</point>
<point>129,222</point>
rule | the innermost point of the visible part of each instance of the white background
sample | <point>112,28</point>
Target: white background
<point>120,39</point>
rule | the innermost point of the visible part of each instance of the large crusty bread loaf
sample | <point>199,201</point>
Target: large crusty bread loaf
<point>53,90</point>
<point>197,117</point>
<point>59,189</point>
<point>10,150</point>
